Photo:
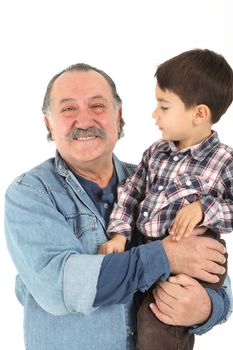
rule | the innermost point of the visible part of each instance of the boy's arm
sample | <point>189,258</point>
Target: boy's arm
<point>129,197</point>
<point>218,212</point>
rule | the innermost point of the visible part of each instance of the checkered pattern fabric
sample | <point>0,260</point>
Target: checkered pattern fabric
<point>167,179</point>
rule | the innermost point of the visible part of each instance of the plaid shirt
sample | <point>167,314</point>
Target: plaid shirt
<point>167,179</point>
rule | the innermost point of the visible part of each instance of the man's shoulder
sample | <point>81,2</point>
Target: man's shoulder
<point>37,175</point>
<point>129,168</point>
<point>123,169</point>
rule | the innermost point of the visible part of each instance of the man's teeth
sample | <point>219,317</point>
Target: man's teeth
<point>86,138</point>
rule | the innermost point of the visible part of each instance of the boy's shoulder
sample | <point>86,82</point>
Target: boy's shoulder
<point>157,146</point>
<point>223,154</point>
<point>225,149</point>
<point>160,145</point>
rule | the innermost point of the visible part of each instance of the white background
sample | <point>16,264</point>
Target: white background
<point>127,39</point>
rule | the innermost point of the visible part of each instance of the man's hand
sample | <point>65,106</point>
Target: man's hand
<point>197,257</point>
<point>186,219</point>
<point>181,301</point>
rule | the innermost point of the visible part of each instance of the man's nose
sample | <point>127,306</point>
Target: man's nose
<point>83,119</point>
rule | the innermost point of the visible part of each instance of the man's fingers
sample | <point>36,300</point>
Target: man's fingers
<point>164,292</point>
<point>207,277</point>
<point>163,300</point>
<point>195,256</point>
<point>215,268</point>
<point>216,257</point>
<point>181,301</point>
<point>183,280</point>
<point>160,315</point>
<point>215,245</point>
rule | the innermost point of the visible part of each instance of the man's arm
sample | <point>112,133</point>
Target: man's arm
<point>140,267</point>
<point>62,278</point>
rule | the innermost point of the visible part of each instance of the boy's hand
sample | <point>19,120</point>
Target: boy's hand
<point>186,219</point>
<point>115,245</point>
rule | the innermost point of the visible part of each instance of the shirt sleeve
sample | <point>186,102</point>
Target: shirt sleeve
<point>219,211</point>
<point>53,265</point>
<point>129,197</point>
<point>220,311</point>
<point>136,269</point>
<point>46,253</point>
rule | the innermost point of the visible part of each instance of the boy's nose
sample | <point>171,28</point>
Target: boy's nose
<point>155,115</point>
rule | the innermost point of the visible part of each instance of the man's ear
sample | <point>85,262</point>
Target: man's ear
<point>119,117</point>
<point>202,114</point>
<point>48,125</point>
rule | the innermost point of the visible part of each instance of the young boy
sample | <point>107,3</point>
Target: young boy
<point>183,181</point>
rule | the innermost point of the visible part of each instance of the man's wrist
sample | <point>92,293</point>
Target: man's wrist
<point>219,308</point>
<point>154,262</point>
<point>166,244</point>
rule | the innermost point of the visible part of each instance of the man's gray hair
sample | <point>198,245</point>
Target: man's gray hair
<point>82,67</point>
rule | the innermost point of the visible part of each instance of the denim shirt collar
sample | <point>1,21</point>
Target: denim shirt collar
<point>63,169</point>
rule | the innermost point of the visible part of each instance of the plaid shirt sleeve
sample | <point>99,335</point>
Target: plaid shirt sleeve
<point>122,219</point>
<point>219,210</point>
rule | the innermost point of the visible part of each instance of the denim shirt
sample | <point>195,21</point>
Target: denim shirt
<point>59,236</point>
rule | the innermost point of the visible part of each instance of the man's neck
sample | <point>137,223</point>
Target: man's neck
<point>95,172</point>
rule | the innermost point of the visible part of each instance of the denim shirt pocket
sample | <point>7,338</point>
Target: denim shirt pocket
<point>187,188</point>
<point>85,226</point>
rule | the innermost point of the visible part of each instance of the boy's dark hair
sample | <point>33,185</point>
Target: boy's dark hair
<point>199,76</point>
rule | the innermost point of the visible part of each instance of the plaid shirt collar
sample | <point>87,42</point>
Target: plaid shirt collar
<point>198,152</point>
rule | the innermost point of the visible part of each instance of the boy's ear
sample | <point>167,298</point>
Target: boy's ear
<point>202,114</point>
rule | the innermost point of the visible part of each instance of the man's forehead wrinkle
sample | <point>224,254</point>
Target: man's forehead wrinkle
<point>70,99</point>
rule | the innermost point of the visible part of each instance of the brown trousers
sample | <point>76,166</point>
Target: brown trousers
<point>152,334</point>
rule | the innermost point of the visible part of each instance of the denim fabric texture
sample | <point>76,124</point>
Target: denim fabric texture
<point>54,250</point>
<point>58,311</point>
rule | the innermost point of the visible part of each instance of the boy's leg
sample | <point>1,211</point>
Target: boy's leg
<point>153,334</point>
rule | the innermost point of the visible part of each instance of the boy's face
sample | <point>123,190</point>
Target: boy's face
<point>172,117</point>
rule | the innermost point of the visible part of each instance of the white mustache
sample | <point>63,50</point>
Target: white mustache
<point>92,131</point>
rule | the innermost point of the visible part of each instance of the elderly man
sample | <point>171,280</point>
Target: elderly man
<point>56,219</point>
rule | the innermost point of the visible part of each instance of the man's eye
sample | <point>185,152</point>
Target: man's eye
<point>97,107</point>
<point>68,108</point>
<point>163,108</point>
